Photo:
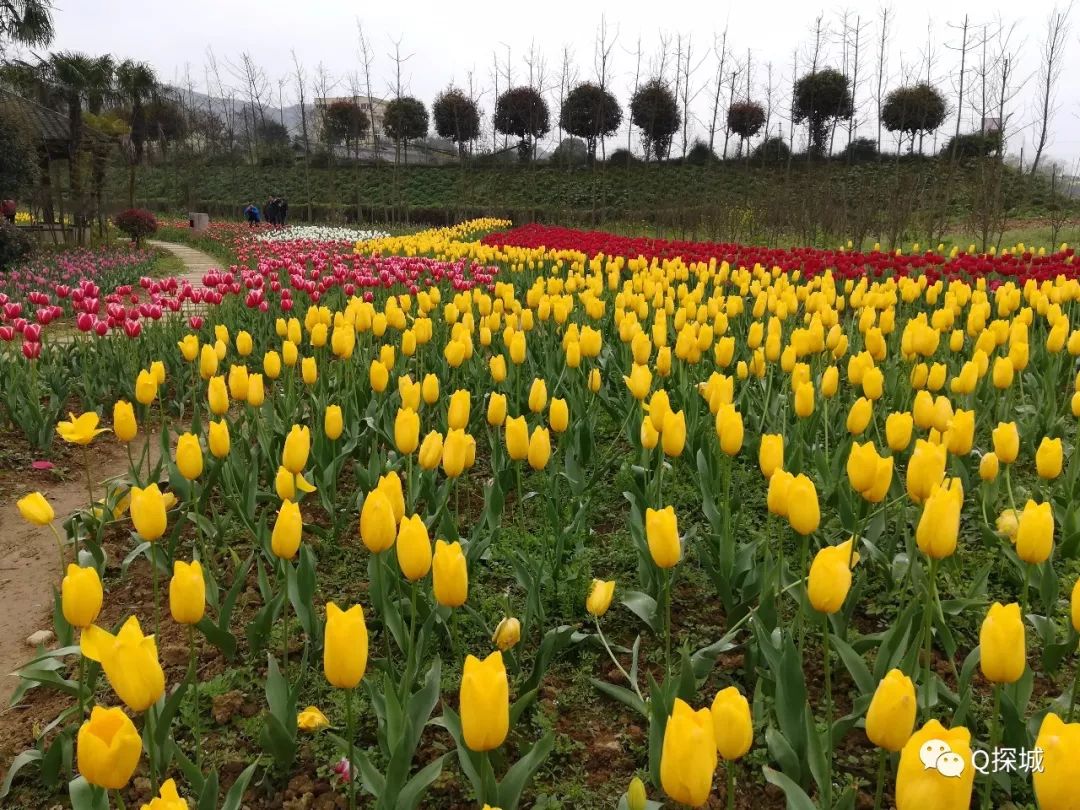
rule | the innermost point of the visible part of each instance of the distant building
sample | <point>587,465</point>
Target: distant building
<point>372,107</point>
<point>991,125</point>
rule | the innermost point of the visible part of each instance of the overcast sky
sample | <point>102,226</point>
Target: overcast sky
<point>447,40</point>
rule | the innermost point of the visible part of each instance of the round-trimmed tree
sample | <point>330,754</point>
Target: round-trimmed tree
<point>523,113</point>
<point>745,119</point>
<point>456,117</point>
<point>344,120</point>
<point>654,110</point>
<point>821,98</point>
<point>915,110</point>
<point>405,119</point>
<point>590,112</point>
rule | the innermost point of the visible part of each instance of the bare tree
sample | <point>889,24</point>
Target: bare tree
<point>367,59</point>
<point>721,55</point>
<point>567,80</point>
<point>1057,28</point>
<point>602,49</point>
<point>960,92</point>
<point>637,82</point>
<point>689,68</point>
<point>883,45</point>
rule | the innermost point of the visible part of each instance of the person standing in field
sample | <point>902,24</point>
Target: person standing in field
<point>251,214</point>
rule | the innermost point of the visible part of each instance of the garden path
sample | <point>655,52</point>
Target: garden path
<point>196,263</point>
<point>30,560</point>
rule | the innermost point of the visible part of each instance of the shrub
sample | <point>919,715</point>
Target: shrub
<point>136,223</point>
<point>772,150</point>
<point>570,152</point>
<point>14,244</point>
<point>972,145</point>
<point>700,154</point>
<point>860,150</point>
<point>622,157</point>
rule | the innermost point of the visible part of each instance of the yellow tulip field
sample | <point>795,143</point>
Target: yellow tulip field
<point>508,517</point>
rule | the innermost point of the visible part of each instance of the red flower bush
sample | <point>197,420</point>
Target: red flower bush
<point>136,223</point>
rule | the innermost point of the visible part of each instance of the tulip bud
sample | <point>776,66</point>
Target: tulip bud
<point>378,376</point>
<point>148,512</point>
<point>208,362</point>
<point>187,593</point>
<point>599,599</point>
<point>947,783</point>
<point>1002,647</point>
<point>830,576</point>
<point>218,396</point>
<point>189,458</point>
<point>35,509</point>
<point>377,524</point>
<point>294,456</point>
<point>558,415</point>
<point>673,436</point>
<point>108,748</point>
<point>457,415</point>
<point>219,439</point>
<point>124,425</point>
<point>1035,533</point>
<point>803,512</point>
<point>688,757</point>
<point>733,726</point>
<point>771,454</point>
<point>1006,442</point>
<point>496,410</point>
<point>345,646</point>
<point>272,365</point>
<point>636,798</point>
<point>898,427</point>
<point>1055,782</point>
<point>662,534</point>
<point>81,596</point>
<point>891,717</point>
<point>455,453</point>
<point>406,431</point>
<point>1049,458</point>
<point>450,577</point>
<point>507,634</point>
<point>484,702</point>
<point>939,525</point>
<point>539,448</point>
<point>413,548</point>
<point>429,389</point>
<point>538,396</point>
<point>288,528</point>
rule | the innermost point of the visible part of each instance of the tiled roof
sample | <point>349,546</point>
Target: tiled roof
<point>49,125</point>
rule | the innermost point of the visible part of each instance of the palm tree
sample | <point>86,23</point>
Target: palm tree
<point>100,87</point>
<point>25,22</point>
<point>136,84</point>
<point>68,72</point>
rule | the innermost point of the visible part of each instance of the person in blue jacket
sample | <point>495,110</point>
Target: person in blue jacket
<point>252,215</point>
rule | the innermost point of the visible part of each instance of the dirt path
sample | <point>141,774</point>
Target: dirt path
<point>196,263</point>
<point>29,559</point>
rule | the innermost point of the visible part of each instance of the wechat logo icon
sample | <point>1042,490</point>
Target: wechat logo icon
<point>937,755</point>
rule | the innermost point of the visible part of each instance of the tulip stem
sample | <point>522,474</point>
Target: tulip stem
<point>611,655</point>
<point>928,632</point>
<point>730,768</point>
<point>82,675</point>
<point>157,601</point>
<point>119,800</point>
<point>193,666</point>
<point>667,623</point>
<point>59,547</point>
<point>350,732</point>
<point>827,663</point>
<point>879,791</point>
<point>994,740</point>
<point>1072,700</point>
<point>285,623</point>
<point>406,681</point>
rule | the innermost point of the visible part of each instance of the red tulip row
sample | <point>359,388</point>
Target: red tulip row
<point>809,261</point>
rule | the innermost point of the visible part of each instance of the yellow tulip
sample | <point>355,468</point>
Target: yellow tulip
<point>891,717</point>
<point>729,429</point>
<point>898,427</point>
<point>239,381</point>
<point>345,646</point>
<point>1008,522</point>
<point>148,512</point>
<point>961,433</point>
<point>988,466</point>
<point>639,382</point>
<point>497,367</point>
<point>1006,442</point>
<point>294,456</point>
<point>290,353</point>
<point>244,344</point>
<point>333,422</point>
<point>517,348</point>
<point>926,469</point>
<point>673,437</point>
<point>1049,458</point>
<point>1035,533</point>
<point>484,702</point>
<point>939,525</point>
<point>218,438</point>
<point>507,633</point>
<point>450,574</point>
<point>945,784</point>
<point>803,512</point>
<point>662,534</point>
<point>218,396</point>
<point>431,450</point>
<point>406,431</point>
<point>35,509</point>
<point>599,599</point>
<point>859,416</point>
<point>649,435</point>
<point>862,466</point>
<point>830,381</point>
<point>455,453</point>
<point>378,529</point>
<point>272,365</point>
<point>130,661</point>
<point>413,548</point>
<point>539,448</point>
<point>830,576</point>
<point>777,496</point>
<point>688,758</point>
<point>208,361</point>
<point>311,719</point>
<point>804,399</point>
<point>189,347</point>
<point>1055,783</point>
<point>124,425</point>
<point>189,459</point>
<point>288,529</point>
<point>658,407</point>
<point>429,389</point>
<point>1002,648</point>
<point>733,725</point>
<point>79,430</point>
<point>378,376</point>
<point>107,748</point>
<point>496,410</point>
<point>1003,373</point>
<point>187,592</point>
<point>558,415</point>
<point>457,415</point>
<point>771,454</point>
<point>81,596</point>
